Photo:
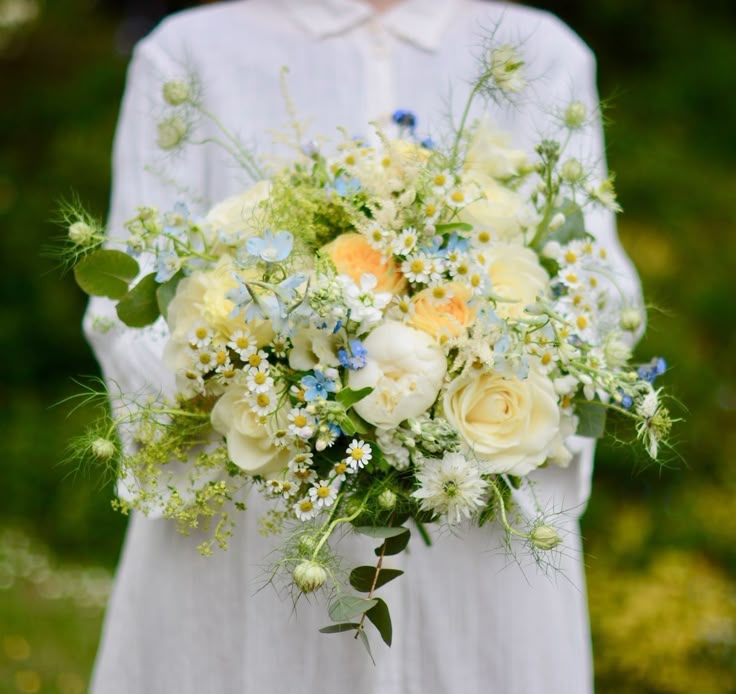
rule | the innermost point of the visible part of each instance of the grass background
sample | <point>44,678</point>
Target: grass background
<point>660,543</point>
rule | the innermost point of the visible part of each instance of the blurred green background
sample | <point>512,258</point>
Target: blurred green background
<point>660,544</point>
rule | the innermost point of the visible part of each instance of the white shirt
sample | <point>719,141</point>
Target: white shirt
<point>466,617</point>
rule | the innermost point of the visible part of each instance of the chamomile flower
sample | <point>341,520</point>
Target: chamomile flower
<point>205,359</point>
<point>377,237</point>
<point>322,494</point>
<point>457,198</point>
<point>341,470</point>
<point>451,486</point>
<point>303,475</point>
<point>405,242</point>
<point>200,337</point>
<point>441,182</point>
<point>417,268</point>
<point>402,307</point>
<point>304,509</point>
<point>482,238</point>
<point>256,360</point>
<point>264,403</point>
<point>258,379</point>
<point>301,423</point>
<point>301,460</point>
<point>431,210</point>
<point>358,454</point>
<point>243,344</point>
<point>280,346</point>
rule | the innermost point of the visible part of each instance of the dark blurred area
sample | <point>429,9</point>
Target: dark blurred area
<point>661,543</point>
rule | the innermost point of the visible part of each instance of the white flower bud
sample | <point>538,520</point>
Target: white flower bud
<point>557,221</point>
<point>572,171</point>
<point>176,93</point>
<point>171,132</point>
<point>103,449</point>
<point>81,233</point>
<point>309,576</point>
<point>545,537</point>
<point>630,319</point>
<point>387,500</point>
<point>617,352</point>
<point>575,115</point>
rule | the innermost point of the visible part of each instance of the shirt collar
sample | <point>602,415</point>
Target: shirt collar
<point>420,22</point>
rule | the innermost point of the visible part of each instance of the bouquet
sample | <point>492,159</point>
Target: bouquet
<point>374,335</point>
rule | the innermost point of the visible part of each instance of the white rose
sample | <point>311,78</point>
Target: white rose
<point>249,439</point>
<point>509,425</point>
<point>405,367</point>
<point>516,275</point>
<point>501,209</point>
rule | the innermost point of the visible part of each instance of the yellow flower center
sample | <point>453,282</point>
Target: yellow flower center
<point>205,358</point>
<point>430,209</point>
<point>582,322</point>
<point>306,505</point>
<point>417,265</point>
<point>221,357</point>
<point>300,420</point>
<point>357,454</point>
<point>440,179</point>
<point>570,257</point>
<point>385,162</point>
<point>200,333</point>
<point>340,468</point>
<point>302,474</point>
<point>350,160</point>
<point>243,342</point>
<point>484,237</point>
<point>263,400</point>
<point>458,196</point>
<point>255,359</point>
<point>323,492</point>
<point>260,378</point>
<point>546,358</point>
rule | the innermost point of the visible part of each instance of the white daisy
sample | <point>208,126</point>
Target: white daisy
<point>358,454</point>
<point>200,337</point>
<point>304,509</point>
<point>405,242</point>
<point>259,380</point>
<point>301,423</point>
<point>451,486</point>
<point>264,403</point>
<point>243,344</point>
<point>323,494</point>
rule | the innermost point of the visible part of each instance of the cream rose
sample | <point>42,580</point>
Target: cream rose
<point>313,347</point>
<point>500,209</point>
<point>516,275</point>
<point>249,440</point>
<point>233,215</point>
<point>510,425</point>
<point>405,367</point>
<point>490,152</point>
<point>201,299</point>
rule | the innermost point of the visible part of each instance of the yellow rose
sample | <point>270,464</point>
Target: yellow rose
<point>354,256</point>
<point>515,274</point>
<point>447,318</point>
<point>249,439</point>
<point>509,425</point>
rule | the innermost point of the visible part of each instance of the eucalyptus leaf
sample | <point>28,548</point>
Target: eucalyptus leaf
<point>591,418</point>
<point>347,606</point>
<point>139,307</point>
<point>166,292</point>
<point>339,628</point>
<point>106,273</point>
<point>379,615</point>
<point>348,397</point>
<point>394,545</point>
<point>361,578</point>
<point>380,532</point>
<point>572,228</point>
<point>364,640</point>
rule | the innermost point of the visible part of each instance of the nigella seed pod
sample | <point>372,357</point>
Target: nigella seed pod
<point>387,500</point>
<point>103,449</point>
<point>309,576</point>
<point>306,545</point>
<point>171,132</point>
<point>630,319</point>
<point>81,233</point>
<point>545,537</point>
<point>176,93</point>
<point>575,115</point>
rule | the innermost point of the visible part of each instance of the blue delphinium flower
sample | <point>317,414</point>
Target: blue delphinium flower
<point>354,358</point>
<point>269,247</point>
<point>649,372</point>
<point>457,243</point>
<point>167,265</point>
<point>317,386</point>
<point>240,296</point>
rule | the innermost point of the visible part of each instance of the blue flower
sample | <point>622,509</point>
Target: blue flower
<point>269,247</point>
<point>355,358</point>
<point>427,143</point>
<point>167,265</point>
<point>649,372</point>
<point>317,386</point>
<point>457,243</point>
<point>240,296</point>
<point>346,188</point>
<point>404,118</point>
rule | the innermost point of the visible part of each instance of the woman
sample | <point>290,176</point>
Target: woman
<point>467,618</point>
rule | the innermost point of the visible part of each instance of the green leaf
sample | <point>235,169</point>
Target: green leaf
<point>348,606</point>
<point>364,640</point>
<point>591,418</point>
<point>394,545</point>
<point>361,427</point>
<point>347,425</point>
<point>381,532</point>
<point>379,615</point>
<point>166,292</point>
<point>361,578</point>
<point>348,397</point>
<point>139,307</point>
<point>452,226</point>
<point>106,273</point>
<point>339,628</point>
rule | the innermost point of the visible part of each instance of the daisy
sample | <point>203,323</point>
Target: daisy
<point>243,344</point>
<point>451,486</point>
<point>200,337</point>
<point>301,424</point>
<point>304,509</point>
<point>258,379</point>
<point>263,403</point>
<point>405,242</point>
<point>323,494</point>
<point>358,454</point>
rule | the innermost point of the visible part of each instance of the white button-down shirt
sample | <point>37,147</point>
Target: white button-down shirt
<point>466,618</point>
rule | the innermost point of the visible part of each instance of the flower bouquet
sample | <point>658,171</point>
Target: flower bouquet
<point>375,336</point>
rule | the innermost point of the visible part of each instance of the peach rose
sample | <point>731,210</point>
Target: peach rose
<point>354,256</point>
<point>447,318</point>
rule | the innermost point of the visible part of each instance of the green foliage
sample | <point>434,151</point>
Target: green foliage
<point>362,577</point>
<point>348,606</point>
<point>140,306</point>
<point>106,273</point>
<point>592,418</point>
<point>394,545</point>
<point>379,615</point>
